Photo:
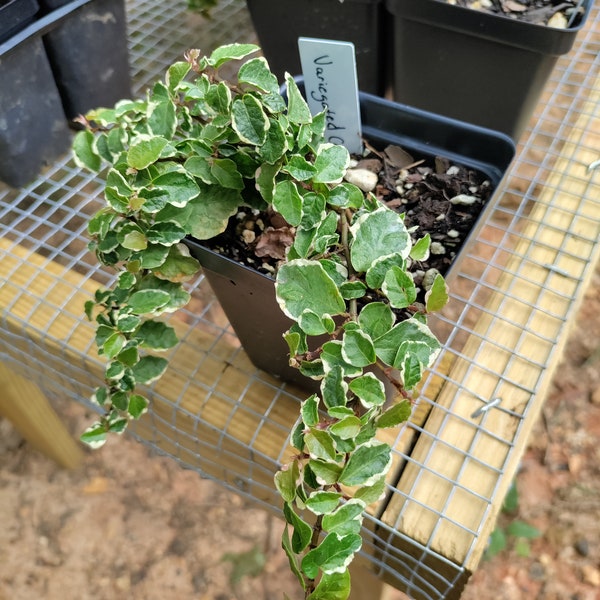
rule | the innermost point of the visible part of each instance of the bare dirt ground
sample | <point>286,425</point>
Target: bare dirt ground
<point>131,525</point>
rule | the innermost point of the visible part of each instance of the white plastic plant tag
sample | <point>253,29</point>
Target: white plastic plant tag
<point>329,69</point>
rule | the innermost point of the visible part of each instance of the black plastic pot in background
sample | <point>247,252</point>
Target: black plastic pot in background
<point>471,65</point>
<point>33,126</point>
<point>248,297</point>
<point>89,56</point>
<point>279,24</point>
<point>16,15</point>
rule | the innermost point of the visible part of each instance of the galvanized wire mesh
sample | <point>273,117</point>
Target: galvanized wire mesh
<point>514,291</point>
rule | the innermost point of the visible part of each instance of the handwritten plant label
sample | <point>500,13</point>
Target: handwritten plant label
<point>329,69</point>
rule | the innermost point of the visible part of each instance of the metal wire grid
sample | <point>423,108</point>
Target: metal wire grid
<point>475,277</point>
<point>46,218</point>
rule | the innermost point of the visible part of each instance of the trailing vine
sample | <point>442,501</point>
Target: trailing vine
<point>183,161</point>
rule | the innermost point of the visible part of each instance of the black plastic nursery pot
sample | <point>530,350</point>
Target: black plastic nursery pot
<point>248,297</point>
<point>15,15</point>
<point>33,126</point>
<point>279,24</point>
<point>89,56</point>
<point>471,65</point>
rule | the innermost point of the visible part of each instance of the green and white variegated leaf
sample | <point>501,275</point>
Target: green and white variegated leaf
<point>178,266</point>
<point>331,163</point>
<point>304,284</point>
<point>375,235</point>
<point>84,151</point>
<point>176,74</point>
<point>420,249</point>
<point>200,167</point>
<point>340,412</point>
<point>218,98</point>
<point>332,586</point>
<point>320,502</point>
<point>399,287</point>
<point>95,435</point>
<point>148,301</point>
<point>367,464</point>
<point>145,150</point>
<point>276,144</point>
<point>332,555</point>
<point>302,530</point>
<point>376,318</point>
<point>265,180</point>
<point>320,445</point>
<point>156,335</point>
<point>226,174</point>
<point>178,297</point>
<point>437,295</point>
<point>298,111</point>
<point>256,72</point>
<point>138,405</point>
<point>313,210</point>
<point>371,493</point>
<point>206,215</point>
<point>312,369</point>
<point>299,168</point>
<point>225,53</point>
<point>327,473</point>
<point>249,120</point>
<point>332,357</point>
<point>162,118</point>
<point>286,544</point>
<point>395,415</point>
<point>314,324</point>
<point>288,202</point>
<point>369,390</point>
<point>347,428</point>
<point>346,195</point>
<point>334,387</point>
<point>287,480</point>
<point>310,410</point>
<point>177,186</point>
<point>409,347</point>
<point>165,234</point>
<point>352,290</point>
<point>149,369</point>
<point>358,348</point>
<point>346,519</point>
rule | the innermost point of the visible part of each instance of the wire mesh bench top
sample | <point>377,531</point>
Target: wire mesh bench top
<point>514,293</point>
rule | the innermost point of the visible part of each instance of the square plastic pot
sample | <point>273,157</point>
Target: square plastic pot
<point>471,65</point>
<point>16,15</point>
<point>33,126</point>
<point>280,23</point>
<point>248,297</point>
<point>89,56</point>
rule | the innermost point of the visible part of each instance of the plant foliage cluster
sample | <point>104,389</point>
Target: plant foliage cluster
<point>182,162</point>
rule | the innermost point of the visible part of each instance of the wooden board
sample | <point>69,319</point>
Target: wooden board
<point>461,467</point>
<point>24,405</point>
<point>212,409</point>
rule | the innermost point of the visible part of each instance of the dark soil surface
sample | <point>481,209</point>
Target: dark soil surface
<point>439,198</point>
<point>554,13</point>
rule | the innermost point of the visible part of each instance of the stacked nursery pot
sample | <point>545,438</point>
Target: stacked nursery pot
<point>280,24</point>
<point>33,127</point>
<point>58,59</point>
<point>89,56</point>
<point>475,65</point>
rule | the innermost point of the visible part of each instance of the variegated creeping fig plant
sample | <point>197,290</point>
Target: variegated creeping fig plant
<point>182,162</point>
